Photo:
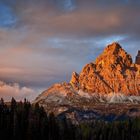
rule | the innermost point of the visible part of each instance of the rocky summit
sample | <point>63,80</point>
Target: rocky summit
<point>113,71</point>
<point>111,78</point>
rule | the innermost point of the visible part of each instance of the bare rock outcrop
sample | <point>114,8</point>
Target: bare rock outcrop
<point>75,80</point>
<point>138,58</point>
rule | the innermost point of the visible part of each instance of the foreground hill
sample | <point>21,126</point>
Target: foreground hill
<point>111,78</point>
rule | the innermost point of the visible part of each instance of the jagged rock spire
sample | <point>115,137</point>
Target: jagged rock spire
<point>138,58</point>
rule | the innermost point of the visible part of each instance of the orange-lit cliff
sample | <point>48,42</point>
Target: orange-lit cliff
<point>112,71</point>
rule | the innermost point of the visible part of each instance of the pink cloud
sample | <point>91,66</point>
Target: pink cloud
<point>7,91</point>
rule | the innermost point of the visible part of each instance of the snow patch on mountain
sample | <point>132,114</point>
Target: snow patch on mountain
<point>84,94</point>
<point>111,97</point>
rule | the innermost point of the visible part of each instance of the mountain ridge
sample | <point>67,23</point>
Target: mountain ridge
<point>111,79</point>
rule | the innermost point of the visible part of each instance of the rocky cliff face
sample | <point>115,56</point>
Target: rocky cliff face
<point>113,71</point>
<point>111,78</point>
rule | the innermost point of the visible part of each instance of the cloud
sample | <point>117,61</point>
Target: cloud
<point>88,18</point>
<point>51,38</point>
<point>7,91</point>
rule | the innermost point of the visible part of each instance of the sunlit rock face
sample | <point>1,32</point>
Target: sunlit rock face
<point>75,80</point>
<point>112,71</point>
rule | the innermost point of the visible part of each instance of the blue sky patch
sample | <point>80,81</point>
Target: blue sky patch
<point>7,16</point>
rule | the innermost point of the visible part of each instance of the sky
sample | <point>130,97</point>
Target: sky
<point>43,41</point>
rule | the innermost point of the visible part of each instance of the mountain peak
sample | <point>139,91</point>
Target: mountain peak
<point>113,48</point>
<point>112,71</point>
<point>114,55</point>
<point>114,45</point>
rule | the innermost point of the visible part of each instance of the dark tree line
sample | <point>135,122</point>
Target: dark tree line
<point>23,121</point>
